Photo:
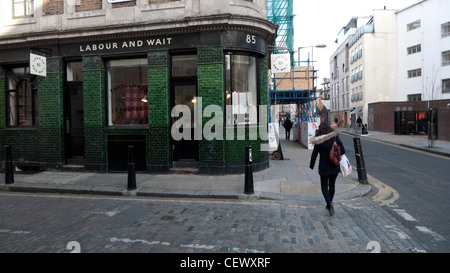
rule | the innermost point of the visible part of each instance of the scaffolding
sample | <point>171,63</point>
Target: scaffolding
<point>280,12</point>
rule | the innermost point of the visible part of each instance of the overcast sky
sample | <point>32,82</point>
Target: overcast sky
<point>319,22</point>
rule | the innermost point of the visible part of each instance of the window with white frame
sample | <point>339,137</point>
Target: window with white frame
<point>415,73</point>
<point>446,58</point>
<point>414,49</point>
<point>415,97</point>
<point>446,86</point>
<point>445,30</point>
<point>413,25</point>
<point>22,8</point>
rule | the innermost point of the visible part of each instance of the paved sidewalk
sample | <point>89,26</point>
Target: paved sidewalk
<point>418,142</point>
<point>288,179</point>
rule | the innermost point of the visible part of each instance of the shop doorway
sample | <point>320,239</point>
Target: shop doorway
<point>184,92</point>
<point>185,150</point>
<point>74,115</point>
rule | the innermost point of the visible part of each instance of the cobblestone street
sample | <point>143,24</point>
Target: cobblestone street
<point>47,223</point>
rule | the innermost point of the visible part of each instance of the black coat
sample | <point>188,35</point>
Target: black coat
<point>288,124</point>
<point>322,146</point>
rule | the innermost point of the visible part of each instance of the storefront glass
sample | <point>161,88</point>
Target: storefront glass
<point>127,92</point>
<point>241,90</point>
<point>22,98</point>
<point>184,66</point>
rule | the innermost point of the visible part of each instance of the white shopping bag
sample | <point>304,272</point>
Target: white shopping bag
<point>346,168</point>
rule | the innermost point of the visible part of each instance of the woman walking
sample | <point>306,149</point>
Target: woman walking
<point>325,136</point>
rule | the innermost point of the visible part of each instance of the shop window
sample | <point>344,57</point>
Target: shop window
<point>23,8</point>
<point>22,98</point>
<point>127,92</point>
<point>241,90</point>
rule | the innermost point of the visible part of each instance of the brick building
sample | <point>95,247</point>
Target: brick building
<point>116,69</point>
<point>410,117</point>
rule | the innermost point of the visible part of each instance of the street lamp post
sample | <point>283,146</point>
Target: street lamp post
<point>312,58</point>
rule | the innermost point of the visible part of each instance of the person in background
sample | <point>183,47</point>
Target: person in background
<point>359,122</point>
<point>288,126</point>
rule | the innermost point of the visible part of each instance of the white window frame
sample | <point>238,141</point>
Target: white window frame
<point>414,25</point>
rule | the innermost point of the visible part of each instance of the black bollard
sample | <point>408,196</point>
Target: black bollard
<point>9,168</point>
<point>248,187</point>
<point>362,176</point>
<point>131,185</point>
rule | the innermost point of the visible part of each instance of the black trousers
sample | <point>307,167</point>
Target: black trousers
<point>288,134</point>
<point>327,182</point>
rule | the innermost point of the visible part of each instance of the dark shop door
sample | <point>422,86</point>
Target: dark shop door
<point>184,93</point>
<point>74,122</point>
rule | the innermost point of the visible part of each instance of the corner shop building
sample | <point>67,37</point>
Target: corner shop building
<point>105,92</point>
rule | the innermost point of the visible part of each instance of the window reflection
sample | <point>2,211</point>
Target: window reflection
<point>241,90</point>
<point>128,92</point>
<point>22,97</point>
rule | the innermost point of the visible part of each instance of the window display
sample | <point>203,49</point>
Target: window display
<point>241,90</point>
<point>128,92</point>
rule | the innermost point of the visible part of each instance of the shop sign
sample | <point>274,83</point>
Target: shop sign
<point>129,44</point>
<point>230,40</point>
<point>38,65</point>
<point>281,63</point>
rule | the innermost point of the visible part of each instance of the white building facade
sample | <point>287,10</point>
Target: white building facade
<point>394,56</point>
<point>340,73</point>
<point>424,51</point>
<point>364,68</point>
<point>373,63</point>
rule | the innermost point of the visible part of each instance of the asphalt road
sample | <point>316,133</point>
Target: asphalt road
<point>421,181</point>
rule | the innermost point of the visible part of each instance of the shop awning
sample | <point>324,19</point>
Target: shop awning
<point>357,110</point>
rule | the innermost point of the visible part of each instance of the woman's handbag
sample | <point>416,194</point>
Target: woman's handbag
<point>346,168</point>
<point>335,154</point>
